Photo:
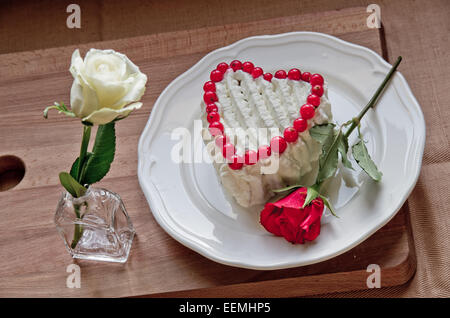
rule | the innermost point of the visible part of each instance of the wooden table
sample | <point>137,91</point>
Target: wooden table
<point>33,259</point>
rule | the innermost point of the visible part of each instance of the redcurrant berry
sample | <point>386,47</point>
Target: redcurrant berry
<point>222,67</point>
<point>248,67</point>
<point>278,144</point>
<point>212,117</point>
<point>264,152</point>
<point>307,111</point>
<point>216,76</point>
<point>316,79</point>
<point>211,108</point>
<point>210,97</point>
<point>251,157</point>
<point>209,86</point>
<point>257,72</point>
<point>228,150</point>
<point>237,162</point>
<point>290,134</point>
<point>317,90</point>
<point>294,74</point>
<point>280,74</point>
<point>306,76</point>
<point>313,100</point>
<point>236,65</point>
<point>300,124</point>
<point>268,77</point>
<point>221,141</point>
<point>216,128</point>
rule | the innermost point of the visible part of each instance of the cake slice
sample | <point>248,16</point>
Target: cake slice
<point>258,124</point>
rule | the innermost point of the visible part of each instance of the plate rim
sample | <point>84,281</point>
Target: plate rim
<point>208,253</point>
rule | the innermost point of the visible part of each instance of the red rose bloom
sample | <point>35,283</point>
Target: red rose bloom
<point>287,218</point>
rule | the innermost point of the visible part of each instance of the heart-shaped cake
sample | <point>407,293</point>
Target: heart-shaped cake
<point>258,125</point>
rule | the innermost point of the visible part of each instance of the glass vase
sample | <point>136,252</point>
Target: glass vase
<point>95,226</point>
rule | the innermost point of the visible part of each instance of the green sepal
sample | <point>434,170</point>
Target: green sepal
<point>329,206</point>
<point>288,188</point>
<point>61,108</point>
<point>311,194</point>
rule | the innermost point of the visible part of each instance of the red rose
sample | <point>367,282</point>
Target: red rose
<point>287,218</point>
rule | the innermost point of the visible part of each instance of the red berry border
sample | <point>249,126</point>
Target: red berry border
<point>278,144</point>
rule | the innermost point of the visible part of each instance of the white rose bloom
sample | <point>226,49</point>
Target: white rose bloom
<point>106,86</point>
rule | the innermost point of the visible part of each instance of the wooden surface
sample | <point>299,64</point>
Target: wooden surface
<point>33,259</point>
<point>29,24</point>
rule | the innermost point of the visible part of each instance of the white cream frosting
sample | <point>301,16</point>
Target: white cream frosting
<point>246,104</point>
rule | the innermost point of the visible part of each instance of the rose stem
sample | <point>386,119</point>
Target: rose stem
<point>83,151</point>
<point>374,98</point>
<point>78,228</point>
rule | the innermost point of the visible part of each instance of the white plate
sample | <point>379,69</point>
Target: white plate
<point>188,201</point>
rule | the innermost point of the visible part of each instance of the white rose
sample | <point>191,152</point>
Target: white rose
<point>106,86</point>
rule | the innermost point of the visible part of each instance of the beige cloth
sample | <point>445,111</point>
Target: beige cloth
<point>430,219</point>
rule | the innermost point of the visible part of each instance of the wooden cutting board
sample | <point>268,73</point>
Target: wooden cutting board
<point>33,259</point>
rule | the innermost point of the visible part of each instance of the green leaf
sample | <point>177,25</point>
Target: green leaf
<point>311,194</point>
<point>287,188</point>
<point>75,166</point>
<point>363,159</point>
<point>323,134</point>
<point>74,169</point>
<point>343,149</point>
<point>99,162</point>
<point>329,139</point>
<point>329,159</point>
<point>71,185</point>
<point>329,206</point>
